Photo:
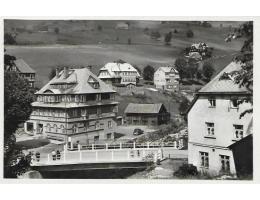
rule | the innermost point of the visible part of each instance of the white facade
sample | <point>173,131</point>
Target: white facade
<point>166,78</point>
<point>215,142</point>
<point>121,73</point>
<point>214,124</point>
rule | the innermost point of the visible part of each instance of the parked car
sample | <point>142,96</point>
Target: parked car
<point>138,131</point>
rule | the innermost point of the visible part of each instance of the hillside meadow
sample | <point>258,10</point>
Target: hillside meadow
<point>80,43</point>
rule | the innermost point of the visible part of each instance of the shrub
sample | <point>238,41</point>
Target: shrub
<point>189,34</point>
<point>186,170</point>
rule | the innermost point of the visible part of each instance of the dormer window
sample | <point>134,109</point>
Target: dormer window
<point>93,82</point>
<point>96,85</point>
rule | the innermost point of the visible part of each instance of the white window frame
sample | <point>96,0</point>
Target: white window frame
<point>212,102</point>
<point>238,131</point>
<point>224,163</point>
<point>210,128</point>
<point>204,159</point>
<point>109,124</point>
<point>232,104</point>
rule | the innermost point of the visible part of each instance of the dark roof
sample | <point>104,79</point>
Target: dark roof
<point>23,67</point>
<point>217,86</point>
<point>248,138</point>
<point>224,86</point>
<point>80,81</point>
<point>143,108</point>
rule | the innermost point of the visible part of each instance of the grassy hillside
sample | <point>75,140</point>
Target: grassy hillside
<point>80,43</point>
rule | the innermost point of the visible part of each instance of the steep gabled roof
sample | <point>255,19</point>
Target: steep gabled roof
<point>117,67</point>
<point>23,67</point>
<point>78,79</point>
<point>143,108</point>
<point>224,86</point>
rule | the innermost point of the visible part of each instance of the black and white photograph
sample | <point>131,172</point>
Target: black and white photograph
<point>128,99</point>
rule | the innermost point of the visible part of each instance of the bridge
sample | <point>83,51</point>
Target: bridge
<point>105,156</point>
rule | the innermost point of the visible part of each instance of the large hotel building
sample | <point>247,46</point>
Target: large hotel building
<point>75,106</point>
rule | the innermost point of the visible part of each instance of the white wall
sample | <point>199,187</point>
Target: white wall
<point>223,118</point>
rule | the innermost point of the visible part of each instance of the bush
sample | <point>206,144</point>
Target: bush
<point>186,170</point>
<point>184,105</point>
<point>208,70</point>
<point>148,73</point>
<point>189,34</point>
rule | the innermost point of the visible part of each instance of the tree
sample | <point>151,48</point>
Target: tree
<point>18,96</point>
<point>189,33</point>
<point>244,76</point>
<point>9,39</point>
<point>57,30</point>
<point>168,38</point>
<point>180,65</point>
<point>184,105</point>
<point>208,70</point>
<point>148,73</point>
<point>192,68</point>
<point>52,73</point>
<point>138,69</point>
<point>8,60</point>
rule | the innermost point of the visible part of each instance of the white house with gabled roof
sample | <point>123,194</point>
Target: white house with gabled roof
<point>119,72</point>
<point>166,78</point>
<point>214,123</point>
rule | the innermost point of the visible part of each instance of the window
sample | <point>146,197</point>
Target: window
<point>97,125</point>
<point>109,124</point>
<point>86,124</point>
<point>55,128</point>
<point>238,132</point>
<point>75,113</point>
<point>48,128</point>
<point>83,112</point>
<point>204,159</point>
<point>96,138</point>
<point>212,103</point>
<point>109,136</point>
<point>75,128</point>
<point>210,128</point>
<point>62,129</point>
<point>225,163</point>
<point>234,103</point>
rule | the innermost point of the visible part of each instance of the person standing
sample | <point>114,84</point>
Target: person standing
<point>53,153</point>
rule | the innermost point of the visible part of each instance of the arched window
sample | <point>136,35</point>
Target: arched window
<point>74,128</point>
<point>62,129</point>
<point>48,127</point>
<point>55,128</point>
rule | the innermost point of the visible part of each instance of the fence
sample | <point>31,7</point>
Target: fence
<point>104,156</point>
<point>122,146</point>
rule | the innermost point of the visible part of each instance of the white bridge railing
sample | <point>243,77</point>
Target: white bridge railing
<point>133,145</point>
<point>100,156</point>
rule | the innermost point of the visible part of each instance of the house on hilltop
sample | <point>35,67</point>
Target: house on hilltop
<point>75,106</point>
<point>146,114</point>
<point>122,26</point>
<point>214,124</point>
<point>167,78</point>
<point>119,72</point>
<point>24,70</point>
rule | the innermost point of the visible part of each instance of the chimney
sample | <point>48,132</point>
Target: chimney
<point>57,73</point>
<point>65,72</point>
